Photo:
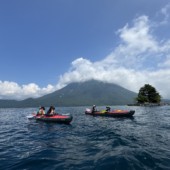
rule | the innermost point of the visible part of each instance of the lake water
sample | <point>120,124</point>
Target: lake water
<point>141,143</point>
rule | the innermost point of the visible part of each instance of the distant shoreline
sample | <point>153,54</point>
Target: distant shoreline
<point>149,104</point>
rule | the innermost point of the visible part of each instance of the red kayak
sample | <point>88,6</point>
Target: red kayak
<point>112,113</point>
<point>58,118</point>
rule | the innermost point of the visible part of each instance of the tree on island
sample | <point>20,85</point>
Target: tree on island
<point>148,94</point>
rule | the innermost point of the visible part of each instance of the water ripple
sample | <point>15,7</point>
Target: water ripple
<point>88,143</point>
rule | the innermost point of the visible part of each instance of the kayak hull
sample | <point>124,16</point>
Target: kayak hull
<point>58,118</point>
<point>113,113</point>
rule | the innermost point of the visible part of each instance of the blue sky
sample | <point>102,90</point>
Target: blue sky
<point>45,45</point>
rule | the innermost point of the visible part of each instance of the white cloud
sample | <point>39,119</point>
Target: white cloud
<point>165,11</point>
<point>139,59</point>
<point>11,90</point>
<point>138,37</point>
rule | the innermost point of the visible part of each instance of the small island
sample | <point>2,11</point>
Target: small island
<point>148,96</point>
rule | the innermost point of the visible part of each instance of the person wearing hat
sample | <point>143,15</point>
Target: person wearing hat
<point>41,111</point>
<point>51,111</point>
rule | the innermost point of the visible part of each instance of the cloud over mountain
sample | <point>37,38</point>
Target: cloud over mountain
<point>140,57</point>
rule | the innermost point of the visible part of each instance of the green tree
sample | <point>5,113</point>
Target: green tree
<point>147,93</point>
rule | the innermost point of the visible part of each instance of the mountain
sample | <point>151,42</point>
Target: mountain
<point>79,94</point>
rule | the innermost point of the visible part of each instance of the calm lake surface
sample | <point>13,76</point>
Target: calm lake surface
<point>141,143</point>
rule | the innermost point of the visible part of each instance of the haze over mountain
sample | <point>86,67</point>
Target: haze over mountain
<point>79,94</point>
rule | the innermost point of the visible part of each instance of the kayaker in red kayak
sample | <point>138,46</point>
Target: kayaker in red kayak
<point>51,111</point>
<point>41,111</point>
<point>93,108</point>
<point>108,109</point>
